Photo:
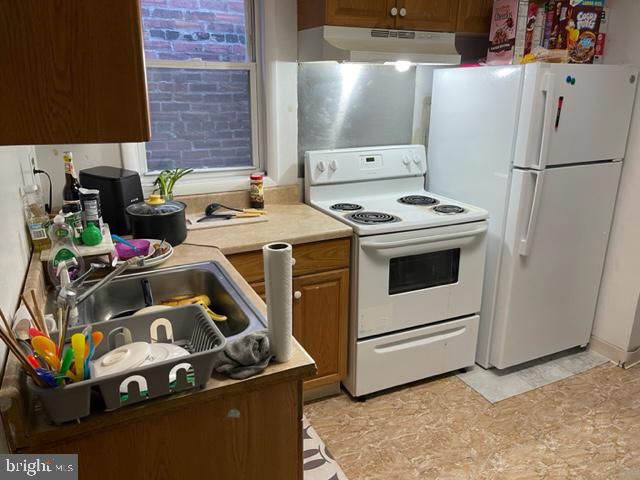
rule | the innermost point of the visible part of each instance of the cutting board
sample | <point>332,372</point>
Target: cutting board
<point>193,225</point>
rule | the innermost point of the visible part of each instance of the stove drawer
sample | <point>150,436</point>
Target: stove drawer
<point>404,357</point>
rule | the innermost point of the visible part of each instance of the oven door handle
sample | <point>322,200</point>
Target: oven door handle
<point>424,240</point>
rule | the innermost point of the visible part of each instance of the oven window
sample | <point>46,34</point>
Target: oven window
<point>427,270</point>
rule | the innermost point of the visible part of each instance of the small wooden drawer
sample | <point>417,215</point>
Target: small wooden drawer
<point>310,258</point>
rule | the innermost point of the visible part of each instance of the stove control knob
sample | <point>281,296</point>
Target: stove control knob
<point>416,159</point>
<point>333,165</point>
<point>405,159</point>
<point>321,166</point>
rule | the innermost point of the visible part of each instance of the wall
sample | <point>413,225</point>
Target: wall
<point>617,319</point>
<point>14,255</point>
<point>84,156</point>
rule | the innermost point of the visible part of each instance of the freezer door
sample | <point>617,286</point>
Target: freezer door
<point>574,113</point>
<point>556,236</point>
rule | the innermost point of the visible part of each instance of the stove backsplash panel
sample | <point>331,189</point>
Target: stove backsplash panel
<point>354,105</point>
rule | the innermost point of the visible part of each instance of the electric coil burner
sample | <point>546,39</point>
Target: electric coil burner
<point>418,200</point>
<point>368,218</point>
<point>449,209</point>
<point>346,207</point>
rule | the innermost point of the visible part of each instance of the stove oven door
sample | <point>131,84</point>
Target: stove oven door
<point>410,279</point>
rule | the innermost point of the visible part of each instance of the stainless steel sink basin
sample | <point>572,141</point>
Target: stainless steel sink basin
<point>126,294</point>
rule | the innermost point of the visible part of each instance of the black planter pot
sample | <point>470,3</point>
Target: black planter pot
<point>159,219</point>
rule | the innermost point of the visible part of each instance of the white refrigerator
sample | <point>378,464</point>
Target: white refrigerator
<point>540,147</point>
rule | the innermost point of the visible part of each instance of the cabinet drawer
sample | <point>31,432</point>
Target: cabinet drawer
<point>310,258</point>
<point>415,354</point>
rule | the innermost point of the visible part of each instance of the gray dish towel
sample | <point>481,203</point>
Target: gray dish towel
<point>245,357</point>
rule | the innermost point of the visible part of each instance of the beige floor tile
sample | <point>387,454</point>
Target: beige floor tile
<point>583,427</point>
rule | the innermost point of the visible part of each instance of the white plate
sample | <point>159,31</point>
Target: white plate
<point>152,262</point>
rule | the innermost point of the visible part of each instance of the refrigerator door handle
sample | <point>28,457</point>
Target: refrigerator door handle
<point>525,243</point>
<point>548,87</point>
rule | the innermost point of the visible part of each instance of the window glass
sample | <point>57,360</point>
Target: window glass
<point>199,118</point>
<point>212,30</point>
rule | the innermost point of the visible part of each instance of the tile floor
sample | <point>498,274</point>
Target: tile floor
<point>496,385</point>
<point>583,427</point>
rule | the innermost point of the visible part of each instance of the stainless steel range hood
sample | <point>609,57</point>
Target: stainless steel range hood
<point>375,45</point>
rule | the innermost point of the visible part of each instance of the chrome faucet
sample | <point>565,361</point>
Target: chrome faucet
<point>69,297</point>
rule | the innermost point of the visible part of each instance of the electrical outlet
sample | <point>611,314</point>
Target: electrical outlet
<point>28,163</point>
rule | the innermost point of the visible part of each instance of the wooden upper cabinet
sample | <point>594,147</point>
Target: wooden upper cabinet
<point>435,15</point>
<point>469,16</point>
<point>360,13</point>
<point>72,72</point>
<point>346,13</point>
<point>474,16</point>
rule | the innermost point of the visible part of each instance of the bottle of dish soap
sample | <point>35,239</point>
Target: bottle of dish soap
<point>63,250</point>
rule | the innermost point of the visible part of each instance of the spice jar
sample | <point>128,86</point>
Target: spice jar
<point>256,191</point>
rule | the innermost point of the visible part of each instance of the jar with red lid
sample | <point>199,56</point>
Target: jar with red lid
<point>256,191</point>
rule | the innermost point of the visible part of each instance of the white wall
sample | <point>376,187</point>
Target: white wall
<point>617,318</point>
<point>84,156</point>
<point>15,251</point>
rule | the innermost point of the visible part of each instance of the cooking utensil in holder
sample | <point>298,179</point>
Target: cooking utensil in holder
<point>188,327</point>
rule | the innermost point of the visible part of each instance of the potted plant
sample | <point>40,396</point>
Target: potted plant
<point>167,179</point>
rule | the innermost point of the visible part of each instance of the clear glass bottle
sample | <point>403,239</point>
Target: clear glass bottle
<point>36,217</point>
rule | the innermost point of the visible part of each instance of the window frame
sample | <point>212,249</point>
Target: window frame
<point>209,180</point>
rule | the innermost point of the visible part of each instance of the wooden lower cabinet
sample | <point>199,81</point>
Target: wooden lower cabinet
<point>320,321</point>
<point>320,316</point>
<point>320,303</point>
<point>254,435</point>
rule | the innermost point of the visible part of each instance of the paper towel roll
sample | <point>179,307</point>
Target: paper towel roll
<point>277,277</point>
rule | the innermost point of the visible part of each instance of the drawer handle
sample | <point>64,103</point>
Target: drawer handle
<point>394,12</point>
<point>403,12</point>
<point>419,341</point>
<point>297,294</point>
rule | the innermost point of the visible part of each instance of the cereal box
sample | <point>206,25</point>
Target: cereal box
<point>502,37</point>
<point>583,25</point>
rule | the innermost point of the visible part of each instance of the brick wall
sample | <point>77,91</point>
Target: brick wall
<point>199,118</point>
<point>182,29</point>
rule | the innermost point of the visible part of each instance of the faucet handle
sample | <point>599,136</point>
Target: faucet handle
<point>65,264</point>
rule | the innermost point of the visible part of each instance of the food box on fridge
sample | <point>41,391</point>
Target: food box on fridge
<point>502,36</point>
<point>574,25</point>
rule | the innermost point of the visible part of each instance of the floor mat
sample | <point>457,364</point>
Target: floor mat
<point>318,463</point>
<point>496,385</point>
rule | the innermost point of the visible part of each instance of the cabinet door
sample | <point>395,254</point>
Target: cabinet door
<point>360,13</point>
<point>474,16</point>
<point>320,315</point>
<point>435,15</point>
<point>72,72</point>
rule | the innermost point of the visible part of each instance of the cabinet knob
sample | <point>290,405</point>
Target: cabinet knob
<point>403,12</point>
<point>394,11</point>
<point>297,294</point>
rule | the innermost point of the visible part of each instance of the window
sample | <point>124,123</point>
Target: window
<point>203,86</point>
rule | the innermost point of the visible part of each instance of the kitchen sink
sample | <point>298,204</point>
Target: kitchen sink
<point>128,293</point>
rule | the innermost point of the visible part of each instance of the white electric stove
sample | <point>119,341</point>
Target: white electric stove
<point>417,264</point>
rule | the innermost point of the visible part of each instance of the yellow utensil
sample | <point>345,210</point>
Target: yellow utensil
<point>77,343</point>
<point>45,347</point>
<point>202,300</point>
